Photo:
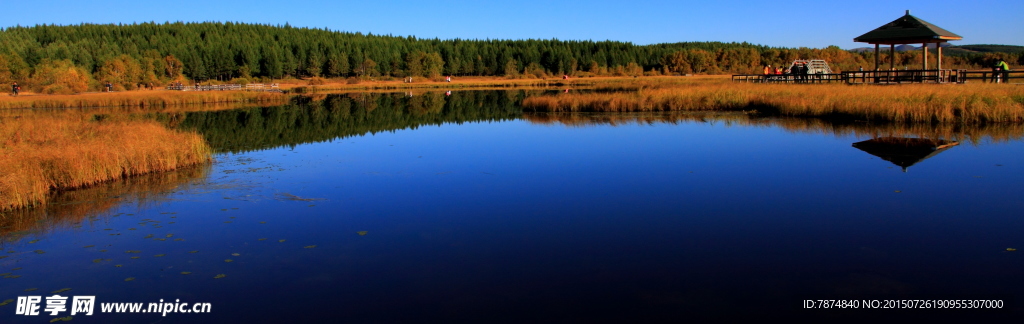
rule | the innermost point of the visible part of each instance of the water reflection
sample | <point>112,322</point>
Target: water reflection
<point>903,151</point>
<point>69,209</point>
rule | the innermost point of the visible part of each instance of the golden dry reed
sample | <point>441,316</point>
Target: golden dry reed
<point>44,153</point>
<point>140,99</point>
<point>955,103</point>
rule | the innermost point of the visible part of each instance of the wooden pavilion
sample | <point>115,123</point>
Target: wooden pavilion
<point>908,30</point>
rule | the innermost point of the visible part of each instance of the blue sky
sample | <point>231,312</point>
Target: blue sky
<point>788,24</point>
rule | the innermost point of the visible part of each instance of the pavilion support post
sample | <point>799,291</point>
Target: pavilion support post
<point>892,57</point>
<point>876,57</point>
<point>924,59</point>
<point>939,56</point>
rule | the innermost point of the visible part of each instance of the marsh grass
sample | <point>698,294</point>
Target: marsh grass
<point>159,98</point>
<point>46,153</point>
<point>960,103</point>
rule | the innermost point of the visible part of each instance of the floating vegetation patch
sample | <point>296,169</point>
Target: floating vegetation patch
<point>3,256</point>
<point>117,265</point>
<point>5,302</point>
<point>159,239</point>
<point>169,235</point>
<point>160,255</point>
<point>12,276</point>
<point>129,279</point>
<point>197,251</point>
<point>148,236</point>
<point>179,239</point>
<point>31,289</point>
<point>1010,249</point>
<point>229,260</point>
<point>186,272</point>
<point>60,290</point>
<point>288,196</point>
<point>262,239</point>
<point>263,222</point>
<point>97,260</point>
<point>61,319</point>
<point>39,251</point>
<point>135,257</point>
<point>361,232</point>
<point>103,250</point>
<point>34,241</point>
<point>5,273</point>
<point>133,251</point>
<point>220,276</point>
<point>235,254</point>
<point>309,246</point>
<point>280,241</point>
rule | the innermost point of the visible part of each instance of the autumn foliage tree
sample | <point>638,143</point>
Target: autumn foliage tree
<point>60,77</point>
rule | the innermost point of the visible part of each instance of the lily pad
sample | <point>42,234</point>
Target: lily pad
<point>220,276</point>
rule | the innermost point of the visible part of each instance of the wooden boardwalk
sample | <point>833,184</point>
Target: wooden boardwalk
<point>887,77</point>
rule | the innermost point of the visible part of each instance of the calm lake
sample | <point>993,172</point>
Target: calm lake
<point>385,208</point>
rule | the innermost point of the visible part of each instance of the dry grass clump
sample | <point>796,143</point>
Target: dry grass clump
<point>962,103</point>
<point>139,99</point>
<point>47,153</point>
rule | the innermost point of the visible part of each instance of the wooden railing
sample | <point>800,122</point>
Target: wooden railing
<point>888,77</point>
<point>223,87</point>
<point>990,76</point>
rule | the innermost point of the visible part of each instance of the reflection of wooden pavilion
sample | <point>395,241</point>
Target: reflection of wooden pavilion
<point>908,30</point>
<point>904,152</point>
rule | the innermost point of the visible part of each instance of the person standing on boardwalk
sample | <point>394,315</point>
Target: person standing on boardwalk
<point>803,72</point>
<point>15,88</point>
<point>1000,72</point>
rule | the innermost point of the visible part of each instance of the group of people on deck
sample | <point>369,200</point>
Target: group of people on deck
<point>799,70</point>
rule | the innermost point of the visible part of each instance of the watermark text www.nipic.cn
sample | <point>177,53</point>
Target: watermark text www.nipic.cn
<point>84,305</point>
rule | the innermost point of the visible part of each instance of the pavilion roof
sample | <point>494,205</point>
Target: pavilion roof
<point>907,30</point>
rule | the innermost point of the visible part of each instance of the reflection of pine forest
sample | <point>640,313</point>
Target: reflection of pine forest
<point>336,116</point>
<point>71,59</point>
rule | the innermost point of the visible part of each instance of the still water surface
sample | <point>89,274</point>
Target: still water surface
<point>383,208</point>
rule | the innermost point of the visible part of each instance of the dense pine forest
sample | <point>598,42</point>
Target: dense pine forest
<point>78,58</point>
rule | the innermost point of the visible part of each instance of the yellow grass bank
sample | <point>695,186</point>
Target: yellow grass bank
<point>44,153</point>
<point>963,103</point>
<point>155,98</point>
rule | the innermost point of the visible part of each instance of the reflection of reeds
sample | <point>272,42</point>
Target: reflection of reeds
<point>43,153</point>
<point>66,208</point>
<point>140,99</point>
<point>996,132</point>
<point>966,103</point>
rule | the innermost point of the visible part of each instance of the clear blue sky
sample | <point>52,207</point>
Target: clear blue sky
<point>787,23</point>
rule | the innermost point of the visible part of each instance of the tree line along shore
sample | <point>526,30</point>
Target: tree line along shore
<point>80,58</point>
